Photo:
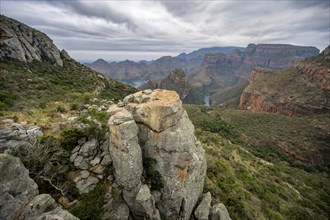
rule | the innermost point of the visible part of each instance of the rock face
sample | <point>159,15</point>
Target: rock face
<point>19,197</point>
<point>159,164</point>
<point>176,81</point>
<point>18,41</point>
<point>300,90</point>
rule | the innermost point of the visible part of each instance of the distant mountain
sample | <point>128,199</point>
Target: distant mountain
<point>221,70</point>
<point>177,81</point>
<point>300,90</point>
<point>158,69</point>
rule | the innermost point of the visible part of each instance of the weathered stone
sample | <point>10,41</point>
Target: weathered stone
<point>73,157</point>
<point>16,187</point>
<point>167,139</point>
<point>115,209</point>
<point>95,161</point>
<point>40,204</point>
<point>203,209</point>
<point>181,164</point>
<point>147,91</point>
<point>98,169</point>
<point>128,99</point>
<point>78,160</point>
<point>219,212</point>
<point>162,111</point>
<point>86,185</point>
<point>125,150</point>
<point>89,148</point>
<point>127,160</point>
<point>57,214</point>
<point>106,160</point>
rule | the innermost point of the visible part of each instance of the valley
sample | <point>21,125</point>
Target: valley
<point>218,133</point>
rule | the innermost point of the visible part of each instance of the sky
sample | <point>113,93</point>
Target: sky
<point>144,30</point>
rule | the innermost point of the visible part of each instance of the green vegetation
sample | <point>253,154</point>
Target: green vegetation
<point>70,138</point>
<point>229,96</point>
<point>152,174</point>
<point>36,84</point>
<point>253,176</point>
<point>90,205</point>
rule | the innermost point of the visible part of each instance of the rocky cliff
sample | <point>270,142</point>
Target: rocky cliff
<point>219,71</point>
<point>176,81</point>
<point>152,139</point>
<point>18,41</point>
<point>300,90</point>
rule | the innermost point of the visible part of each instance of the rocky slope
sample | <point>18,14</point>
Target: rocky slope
<point>158,69</point>
<point>23,43</point>
<point>306,89</point>
<point>176,81</point>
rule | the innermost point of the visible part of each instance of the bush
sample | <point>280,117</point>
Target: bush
<point>90,204</point>
<point>156,179</point>
<point>70,137</point>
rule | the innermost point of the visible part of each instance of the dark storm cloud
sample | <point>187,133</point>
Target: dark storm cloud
<point>133,28</point>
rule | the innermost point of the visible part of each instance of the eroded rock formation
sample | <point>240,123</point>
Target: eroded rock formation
<point>159,164</point>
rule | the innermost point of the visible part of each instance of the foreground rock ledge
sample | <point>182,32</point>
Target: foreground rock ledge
<point>159,164</point>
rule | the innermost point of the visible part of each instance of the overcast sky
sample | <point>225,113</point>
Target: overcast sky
<point>119,30</point>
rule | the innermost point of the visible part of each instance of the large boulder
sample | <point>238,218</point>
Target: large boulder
<point>19,197</point>
<point>173,159</point>
<point>16,187</point>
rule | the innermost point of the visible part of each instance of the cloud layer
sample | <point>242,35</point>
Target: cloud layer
<point>118,30</point>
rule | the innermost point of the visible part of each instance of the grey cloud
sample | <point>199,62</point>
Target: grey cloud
<point>173,26</point>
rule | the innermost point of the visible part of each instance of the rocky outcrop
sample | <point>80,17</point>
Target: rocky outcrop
<point>18,41</point>
<point>176,81</point>
<point>13,135</point>
<point>19,197</point>
<point>158,162</point>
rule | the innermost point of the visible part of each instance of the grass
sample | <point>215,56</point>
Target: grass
<point>248,172</point>
<point>36,84</point>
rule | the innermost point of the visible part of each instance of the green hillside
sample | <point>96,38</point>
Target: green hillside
<point>252,175</point>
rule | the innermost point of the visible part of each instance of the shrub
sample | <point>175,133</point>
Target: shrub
<point>156,179</point>
<point>90,204</point>
<point>70,137</point>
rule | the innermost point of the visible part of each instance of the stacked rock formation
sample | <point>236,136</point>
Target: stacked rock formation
<point>159,164</point>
